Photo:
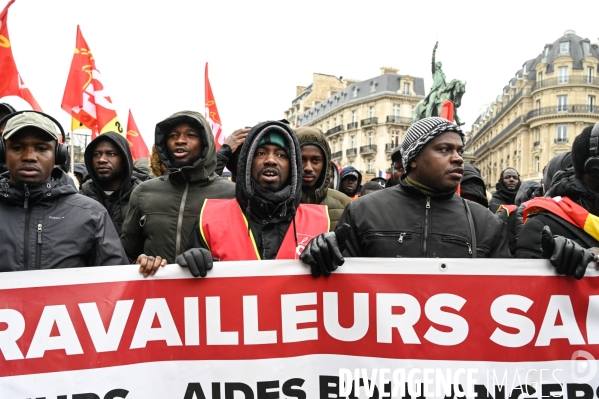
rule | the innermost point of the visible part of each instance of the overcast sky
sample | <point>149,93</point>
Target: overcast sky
<point>152,54</point>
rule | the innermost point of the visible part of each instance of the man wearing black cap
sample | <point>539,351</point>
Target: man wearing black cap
<point>431,219</point>
<point>396,168</point>
<point>45,223</point>
<point>265,220</point>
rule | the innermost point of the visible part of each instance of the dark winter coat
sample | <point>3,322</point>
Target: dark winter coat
<point>162,211</point>
<point>474,185</point>
<point>502,195</point>
<point>559,162</point>
<point>50,226</point>
<point>568,185</point>
<point>421,226</point>
<point>346,171</point>
<point>335,200</point>
<point>270,214</point>
<point>116,203</point>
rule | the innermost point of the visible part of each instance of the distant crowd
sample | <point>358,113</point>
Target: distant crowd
<point>285,199</point>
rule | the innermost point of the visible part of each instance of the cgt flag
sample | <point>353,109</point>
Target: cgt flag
<point>85,97</point>
<point>11,83</point>
<point>136,142</point>
<point>211,112</point>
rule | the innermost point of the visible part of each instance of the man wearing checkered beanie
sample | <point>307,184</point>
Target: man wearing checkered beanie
<point>422,216</point>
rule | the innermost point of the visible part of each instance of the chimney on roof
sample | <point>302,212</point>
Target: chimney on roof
<point>389,70</point>
<point>569,32</point>
<point>299,90</point>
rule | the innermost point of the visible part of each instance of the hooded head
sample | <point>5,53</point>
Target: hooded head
<point>277,194</point>
<point>193,169</point>
<point>472,186</point>
<point>528,190</point>
<point>107,169</point>
<point>559,162</point>
<point>349,172</point>
<point>509,181</point>
<point>316,157</point>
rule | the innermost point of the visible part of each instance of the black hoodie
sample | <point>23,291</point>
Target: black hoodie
<point>116,203</point>
<point>473,185</point>
<point>270,214</point>
<point>502,195</point>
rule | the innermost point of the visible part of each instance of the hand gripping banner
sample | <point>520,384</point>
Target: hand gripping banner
<point>403,328</point>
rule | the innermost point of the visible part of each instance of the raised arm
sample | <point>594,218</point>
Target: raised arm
<point>433,64</point>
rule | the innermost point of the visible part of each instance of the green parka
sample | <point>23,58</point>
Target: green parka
<point>162,211</point>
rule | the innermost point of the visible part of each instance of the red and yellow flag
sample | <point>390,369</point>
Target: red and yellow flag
<point>85,97</point>
<point>211,112</point>
<point>11,83</point>
<point>136,142</point>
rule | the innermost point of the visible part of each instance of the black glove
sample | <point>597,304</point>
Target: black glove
<point>322,254</point>
<point>198,260</point>
<point>565,255</point>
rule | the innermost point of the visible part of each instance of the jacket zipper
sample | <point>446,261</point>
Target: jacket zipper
<point>180,220</point>
<point>404,236</point>
<point>426,211</point>
<point>38,248</point>
<point>27,217</point>
<point>459,241</point>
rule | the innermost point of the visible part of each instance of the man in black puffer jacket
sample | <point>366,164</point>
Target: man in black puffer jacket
<point>45,224</point>
<point>430,220</point>
<point>574,201</point>
<point>113,177</point>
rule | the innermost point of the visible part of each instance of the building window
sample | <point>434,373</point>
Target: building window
<point>537,164</point>
<point>395,138</point>
<point>371,112</point>
<point>591,103</point>
<point>538,105</point>
<point>341,120</point>
<point>355,92</point>
<point>564,47</point>
<point>406,89</point>
<point>372,87</point>
<point>540,79</point>
<point>562,75</point>
<point>546,51</point>
<point>369,163</point>
<point>353,117</point>
<point>370,138</point>
<point>334,122</point>
<point>562,103</point>
<point>537,135</point>
<point>396,108</point>
<point>590,73</point>
<point>352,142</point>
<point>586,47</point>
<point>327,126</point>
<point>562,134</point>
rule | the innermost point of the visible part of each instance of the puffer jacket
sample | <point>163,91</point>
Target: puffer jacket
<point>335,200</point>
<point>565,184</point>
<point>422,226</point>
<point>270,214</point>
<point>162,211</point>
<point>116,203</point>
<point>49,226</point>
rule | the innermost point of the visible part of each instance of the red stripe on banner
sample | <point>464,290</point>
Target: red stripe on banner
<point>428,303</point>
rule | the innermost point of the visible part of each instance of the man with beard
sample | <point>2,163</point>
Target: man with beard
<point>45,223</point>
<point>430,220</point>
<point>316,155</point>
<point>506,189</point>
<point>162,211</point>
<point>265,220</point>
<point>113,177</point>
<point>351,180</point>
<point>562,227</point>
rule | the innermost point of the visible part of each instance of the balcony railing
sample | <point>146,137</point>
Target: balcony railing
<point>334,130</point>
<point>507,130</point>
<point>352,125</point>
<point>502,111</point>
<point>371,171</point>
<point>369,121</point>
<point>368,149</point>
<point>338,154</point>
<point>570,109</point>
<point>351,152</point>
<point>566,80</point>
<point>560,140</point>
<point>390,147</point>
<point>399,119</point>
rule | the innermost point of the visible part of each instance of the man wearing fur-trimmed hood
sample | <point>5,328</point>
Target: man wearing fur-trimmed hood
<point>266,220</point>
<point>316,156</point>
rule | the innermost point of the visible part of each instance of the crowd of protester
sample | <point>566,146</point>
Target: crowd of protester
<point>286,199</point>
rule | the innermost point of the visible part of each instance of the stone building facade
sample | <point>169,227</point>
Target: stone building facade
<point>362,120</point>
<point>540,112</point>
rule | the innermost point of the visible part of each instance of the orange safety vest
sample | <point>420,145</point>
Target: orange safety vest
<point>508,208</point>
<point>224,228</point>
<point>566,209</point>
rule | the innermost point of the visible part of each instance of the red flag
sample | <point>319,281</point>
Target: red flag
<point>85,97</point>
<point>136,142</point>
<point>211,112</point>
<point>447,111</point>
<point>11,83</point>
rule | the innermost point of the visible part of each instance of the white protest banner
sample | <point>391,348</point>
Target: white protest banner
<point>404,328</point>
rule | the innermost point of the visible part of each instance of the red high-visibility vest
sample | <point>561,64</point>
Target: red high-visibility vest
<point>224,228</point>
